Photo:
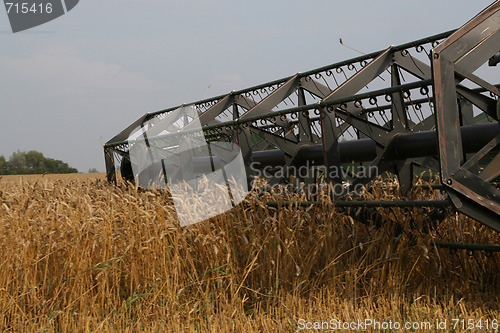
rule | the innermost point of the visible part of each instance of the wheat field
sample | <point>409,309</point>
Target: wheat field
<point>81,255</point>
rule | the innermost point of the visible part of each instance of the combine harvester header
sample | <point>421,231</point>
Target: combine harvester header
<point>424,104</point>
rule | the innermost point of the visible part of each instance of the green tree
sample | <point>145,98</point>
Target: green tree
<point>17,163</point>
<point>3,165</point>
<point>33,162</point>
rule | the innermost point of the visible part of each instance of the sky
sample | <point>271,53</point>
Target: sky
<point>70,85</point>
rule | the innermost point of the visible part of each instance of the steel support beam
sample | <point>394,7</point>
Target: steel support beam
<point>406,146</point>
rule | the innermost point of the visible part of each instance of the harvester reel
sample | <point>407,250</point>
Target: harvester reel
<point>410,107</point>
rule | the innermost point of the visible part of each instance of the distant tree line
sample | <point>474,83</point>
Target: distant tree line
<point>32,162</point>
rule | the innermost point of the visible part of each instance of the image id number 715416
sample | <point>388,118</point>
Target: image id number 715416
<point>472,324</point>
<point>25,8</point>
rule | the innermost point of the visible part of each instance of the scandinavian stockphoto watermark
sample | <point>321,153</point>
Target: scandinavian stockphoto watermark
<point>316,174</point>
<point>370,324</point>
<point>27,14</point>
<point>204,178</point>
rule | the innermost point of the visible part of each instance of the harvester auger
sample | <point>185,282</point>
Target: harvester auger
<point>426,104</point>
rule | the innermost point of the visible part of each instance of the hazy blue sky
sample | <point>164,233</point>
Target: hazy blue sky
<point>90,73</point>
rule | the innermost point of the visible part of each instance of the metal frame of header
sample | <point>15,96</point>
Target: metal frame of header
<point>413,105</point>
